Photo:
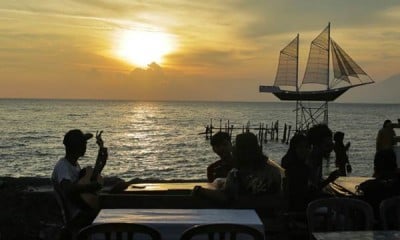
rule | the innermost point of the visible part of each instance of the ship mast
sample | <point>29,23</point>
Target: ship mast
<point>297,79</point>
<point>329,54</point>
<point>326,115</point>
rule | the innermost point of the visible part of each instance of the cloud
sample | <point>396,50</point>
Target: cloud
<point>153,72</point>
<point>392,12</point>
<point>230,45</point>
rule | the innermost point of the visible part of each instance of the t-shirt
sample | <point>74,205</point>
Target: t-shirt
<point>65,170</point>
<point>264,180</point>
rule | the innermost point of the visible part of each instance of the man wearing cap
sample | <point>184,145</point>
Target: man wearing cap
<point>66,174</point>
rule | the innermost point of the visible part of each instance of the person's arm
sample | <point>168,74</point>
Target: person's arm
<point>210,173</point>
<point>215,195</point>
<point>347,146</point>
<point>332,177</point>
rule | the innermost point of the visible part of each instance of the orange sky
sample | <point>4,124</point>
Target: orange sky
<point>210,50</point>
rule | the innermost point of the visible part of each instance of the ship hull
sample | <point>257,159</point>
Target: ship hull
<point>321,95</point>
<point>326,95</point>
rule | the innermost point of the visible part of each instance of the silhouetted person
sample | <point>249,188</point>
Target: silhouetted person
<point>342,160</point>
<point>297,171</point>
<point>320,138</point>
<point>251,175</point>
<point>386,137</point>
<point>222,146</point>
<point>299,187</point>
<point>386,182</point>
<point>66,174</point>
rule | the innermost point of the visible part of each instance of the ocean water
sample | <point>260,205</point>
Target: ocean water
<point>161,140</point>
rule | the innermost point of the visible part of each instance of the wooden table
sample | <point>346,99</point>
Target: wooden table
<point>347,185</point>
<point>362,235</point>
<point>156,195</point>
<point>166,187</point>
<point>171,223</point>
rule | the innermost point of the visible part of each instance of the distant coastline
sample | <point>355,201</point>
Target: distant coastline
<point>191,101</point>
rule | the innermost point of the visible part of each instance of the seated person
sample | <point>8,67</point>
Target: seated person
<point>251,175</point>
<point>222,146</point>
<point>299,188</point>
<point>67,173</point>
<point>386,182</point>
<point>320,138</point>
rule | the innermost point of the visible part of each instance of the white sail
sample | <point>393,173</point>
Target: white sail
<point>344,66</point>
<point>317,70</point>
<point>288,65</point>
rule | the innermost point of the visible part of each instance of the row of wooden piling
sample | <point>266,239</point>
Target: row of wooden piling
<point>264,131</point>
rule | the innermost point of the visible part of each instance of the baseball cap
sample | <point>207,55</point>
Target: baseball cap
<point>75,137</point>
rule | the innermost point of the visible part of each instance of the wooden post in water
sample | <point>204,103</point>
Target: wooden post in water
<point>284,134</point>
<point>266,134</point>
<point>272,131</point>
<point>277,130</point>
<point>211,128</point>
<point>207,132</point>
<point>288,137</point>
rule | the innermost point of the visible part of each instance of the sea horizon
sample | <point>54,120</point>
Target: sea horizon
<point>180,100</point>
<point>160,139</point>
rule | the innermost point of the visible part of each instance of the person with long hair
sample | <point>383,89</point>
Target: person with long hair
<point>252,175</point>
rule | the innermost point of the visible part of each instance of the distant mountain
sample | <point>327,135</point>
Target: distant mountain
<point>386,91</point>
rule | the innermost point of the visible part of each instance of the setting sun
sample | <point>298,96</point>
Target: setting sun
<point>143,47</point>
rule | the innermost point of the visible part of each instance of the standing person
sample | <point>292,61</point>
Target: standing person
<point>342,160</point>
<point>320,138</point>
<point>386,137</point>
<point>222,146</point>
<point>66,174</point>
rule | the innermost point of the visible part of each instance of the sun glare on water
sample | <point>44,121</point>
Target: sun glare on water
<point>143,47</point>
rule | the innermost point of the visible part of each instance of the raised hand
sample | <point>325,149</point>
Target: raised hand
<point>102,156</point>
<point>99,140</point>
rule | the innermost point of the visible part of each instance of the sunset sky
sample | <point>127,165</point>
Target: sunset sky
<point>179,49</point>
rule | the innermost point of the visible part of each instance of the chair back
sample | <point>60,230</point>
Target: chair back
<point>222,231</point>
<point>389,211</point>
<point>119,231</point>
<point>339,214</point>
